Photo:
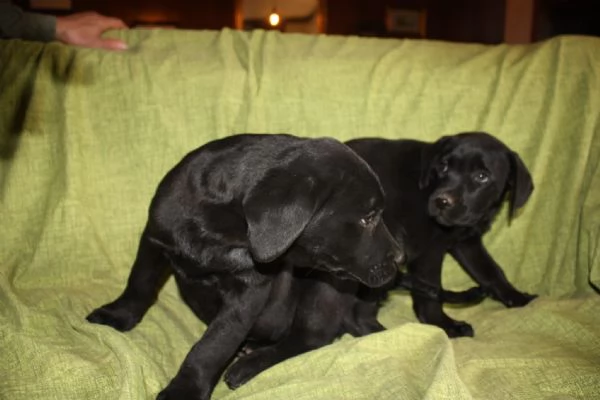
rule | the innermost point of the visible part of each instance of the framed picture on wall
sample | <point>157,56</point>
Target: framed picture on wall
<point>406,22</point>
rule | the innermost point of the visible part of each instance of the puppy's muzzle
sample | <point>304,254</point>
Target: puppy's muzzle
<point>445,207</point>
<point>381,274</point>
<point>444,201</point>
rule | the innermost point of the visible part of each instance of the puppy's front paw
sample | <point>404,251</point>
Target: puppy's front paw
<point>119,318</point>
<point>458,329</point>
<point>515,298</point>
<point>182,389</point>
<point>241,371</point>
<point>178,393</point>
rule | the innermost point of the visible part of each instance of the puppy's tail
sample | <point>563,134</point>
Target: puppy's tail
<point>470,296</point>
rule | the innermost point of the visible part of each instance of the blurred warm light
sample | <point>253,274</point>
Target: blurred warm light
<point>274,18</point>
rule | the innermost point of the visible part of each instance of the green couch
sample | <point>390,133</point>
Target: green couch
<point>86,135</point>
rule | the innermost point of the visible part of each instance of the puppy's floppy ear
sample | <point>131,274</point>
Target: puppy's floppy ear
<point>430,157</point>
<point>520,183</point>
<point>277,210</point>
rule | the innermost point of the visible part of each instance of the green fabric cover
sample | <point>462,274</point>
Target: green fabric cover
<point>86,135</point>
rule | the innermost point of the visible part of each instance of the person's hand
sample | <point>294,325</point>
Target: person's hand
<point>85,29</point>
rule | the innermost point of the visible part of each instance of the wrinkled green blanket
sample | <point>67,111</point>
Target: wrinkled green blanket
<point>86,135</point>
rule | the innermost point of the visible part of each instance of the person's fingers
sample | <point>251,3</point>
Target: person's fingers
<point>109,44</point>
<point>114,23</point>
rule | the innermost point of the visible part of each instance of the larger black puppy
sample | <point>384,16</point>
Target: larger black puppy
<point>442,197</point>
<point>232,220</point>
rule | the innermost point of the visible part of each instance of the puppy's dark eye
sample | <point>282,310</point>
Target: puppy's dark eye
<point>481,177</point>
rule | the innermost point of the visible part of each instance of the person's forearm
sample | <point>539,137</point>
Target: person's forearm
<point>83,29</point>
<point>14,23</point>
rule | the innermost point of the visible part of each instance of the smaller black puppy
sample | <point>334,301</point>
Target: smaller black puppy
<point>441,198</point>
<point>232,221</point>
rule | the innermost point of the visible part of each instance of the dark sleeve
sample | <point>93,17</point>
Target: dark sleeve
<point>16,24</point>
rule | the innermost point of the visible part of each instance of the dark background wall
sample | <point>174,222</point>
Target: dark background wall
<point>186,14</point>
<point>567,17</point>
<point>458,20</point>
<point>204,14</point>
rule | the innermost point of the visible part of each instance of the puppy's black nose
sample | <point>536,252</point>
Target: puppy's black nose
<point>444,201</point>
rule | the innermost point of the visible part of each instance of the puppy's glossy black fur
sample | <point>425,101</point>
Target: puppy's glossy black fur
<point>232,222</point>
<point>442,197</point>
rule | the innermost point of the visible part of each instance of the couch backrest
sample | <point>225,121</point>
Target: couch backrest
<point>86,135</point>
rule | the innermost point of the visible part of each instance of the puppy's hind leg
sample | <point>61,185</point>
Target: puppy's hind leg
<point>148,275</point>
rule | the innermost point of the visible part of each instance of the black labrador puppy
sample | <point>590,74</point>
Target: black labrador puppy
<point>232,221</point>
<point>442,197</point>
